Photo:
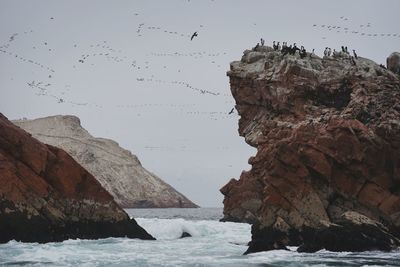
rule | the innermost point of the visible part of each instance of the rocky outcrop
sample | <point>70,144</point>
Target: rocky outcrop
<point>327,169</point>
<point>393,62</point>
<point>117,169</point>
<point>46,196</point>
<point>185,235</point>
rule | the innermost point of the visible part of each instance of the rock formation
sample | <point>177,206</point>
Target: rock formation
<point>393,62</point>
<point>327,169</point>
<point>117,169</point>
<point>45,195</point>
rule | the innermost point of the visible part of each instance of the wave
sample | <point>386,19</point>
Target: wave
<point>213,243</point>
<point>169,229</point>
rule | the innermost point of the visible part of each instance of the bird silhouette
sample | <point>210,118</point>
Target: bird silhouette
<point>193,35</point>
<point>230,112</point>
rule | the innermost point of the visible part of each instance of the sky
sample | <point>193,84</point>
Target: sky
<point>130,72</point>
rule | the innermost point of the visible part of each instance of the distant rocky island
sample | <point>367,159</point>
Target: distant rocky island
<point>327,170</point>
<point>118,170</point>
<point>46,196</point>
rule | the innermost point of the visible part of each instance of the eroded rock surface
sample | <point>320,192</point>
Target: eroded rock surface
<point>118,170</point>
<point>327,133</point>
<point>45,195</point>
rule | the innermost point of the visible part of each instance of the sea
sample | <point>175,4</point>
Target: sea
<point>213,243</point>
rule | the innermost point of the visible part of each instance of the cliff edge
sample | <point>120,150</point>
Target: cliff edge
<point>118,170</point>
<point>326,174</point>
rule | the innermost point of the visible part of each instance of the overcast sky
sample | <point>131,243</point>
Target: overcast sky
<point>145,85</point>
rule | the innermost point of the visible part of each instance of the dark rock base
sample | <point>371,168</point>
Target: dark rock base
<point>18,227</point>
<point>185,235</point>
<point>353,233</point>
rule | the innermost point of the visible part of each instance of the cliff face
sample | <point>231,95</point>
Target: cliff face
<point>327,169</point>
<point>117,169</point>
<point>46,196</point>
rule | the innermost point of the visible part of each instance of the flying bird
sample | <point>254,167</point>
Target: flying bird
<point>193,35</point>
<point>230,112</point>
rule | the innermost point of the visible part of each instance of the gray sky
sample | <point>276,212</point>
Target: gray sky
<point>134,89</point>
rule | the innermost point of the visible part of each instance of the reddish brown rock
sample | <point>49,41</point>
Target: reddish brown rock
<point>327,134</point>
<point>46,196</point>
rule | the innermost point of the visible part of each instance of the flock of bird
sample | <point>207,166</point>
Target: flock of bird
<point>364,30</point>
<point>192,54</point>
<point>91,54</point>
<point>5,50</point>
<point>142,28</point>
<point>180,83</point>
<point>27,60</point>
<point>103,50</point>
<point>108,53</point>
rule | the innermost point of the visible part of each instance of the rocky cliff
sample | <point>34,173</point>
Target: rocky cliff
<point>117,169</point>
<point>327,169</point>
<point>45,195</point>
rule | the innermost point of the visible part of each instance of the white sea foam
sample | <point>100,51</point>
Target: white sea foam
<point>167,229</point>
<point>213,244</point>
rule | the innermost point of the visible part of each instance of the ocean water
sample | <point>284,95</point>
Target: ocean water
<point>213,243</point>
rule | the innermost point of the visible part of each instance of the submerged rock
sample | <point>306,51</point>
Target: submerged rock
<point>45,195</point>
<point>327,133</point>
<point>117,169</point>
<point>185,234</point>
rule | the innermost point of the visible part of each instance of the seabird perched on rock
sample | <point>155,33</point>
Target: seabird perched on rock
<point>256,47</point>
<point>262,42</point>
<point>355,54</point>
<point>193,35</point>
<point>293,49</point>
<point>303,52</point>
